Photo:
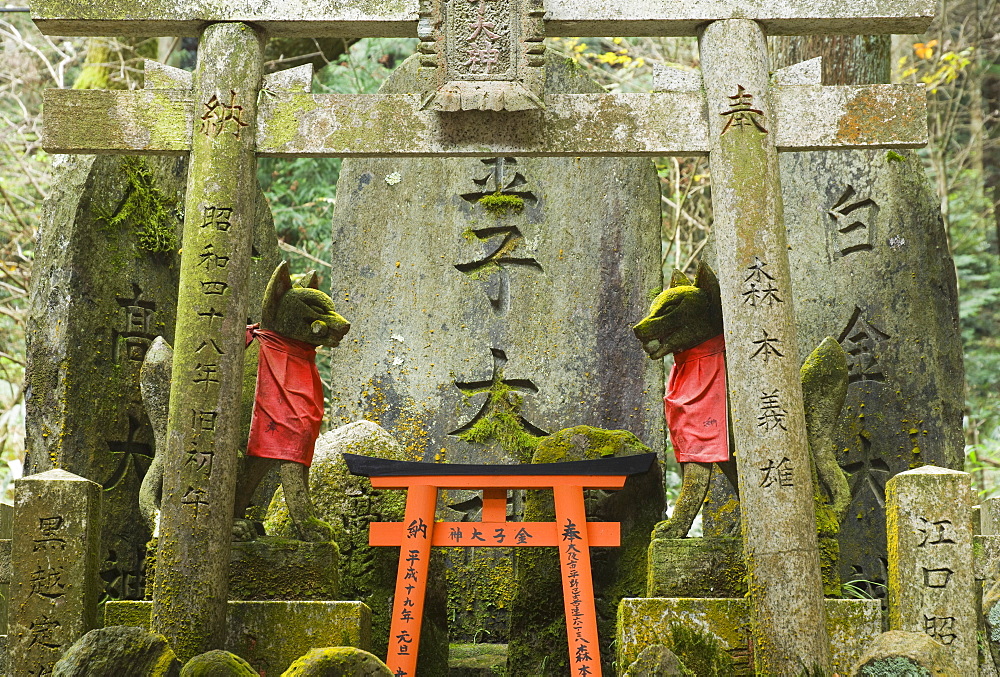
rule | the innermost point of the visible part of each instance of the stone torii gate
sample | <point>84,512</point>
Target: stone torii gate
<point>736,116</point>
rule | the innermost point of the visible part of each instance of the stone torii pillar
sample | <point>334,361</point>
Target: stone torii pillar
<point>736,117</point>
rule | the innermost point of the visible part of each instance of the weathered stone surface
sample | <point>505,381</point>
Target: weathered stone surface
<point>218,663</point>
<point>931,584</point>
<point>714,567</point>
<point>338,661</point>
<point>100,294</point>
<point>762,364</point>
<point>657,660</point>
<point>349,504</point>
<point>118,650</point>
<point>538,624</point>
<point>281,568</point>
<point>271,635</point>
<point>191,585</point>
<point>55,556</point>
<point>871,268</point>
<point>852,624</point>
<point>905,654</point>
<point>696,567</point>
<point>312,18</point>
<point>515,309</point>
<point>326,125</point>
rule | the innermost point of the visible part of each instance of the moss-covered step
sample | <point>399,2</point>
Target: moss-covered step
<point>271,635</point>
<point>712,636</point>
<point>714,567</point>
<point>477,660</point>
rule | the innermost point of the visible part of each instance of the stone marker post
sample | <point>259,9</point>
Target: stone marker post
<point>779,525</point>
<point>931,584</point>
<point>55,558</point>
<point>191,587</point>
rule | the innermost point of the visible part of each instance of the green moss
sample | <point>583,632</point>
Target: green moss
<point>480,593</point>
<point>893,666</point>
<point>893,156</point>
<point>500,204</point>
<point>149,212</point>
<point>503,423</point>
<point>700,652</point>
<point>217,663</point>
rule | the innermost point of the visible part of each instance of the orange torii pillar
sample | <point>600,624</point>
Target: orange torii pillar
<point>571,533</point>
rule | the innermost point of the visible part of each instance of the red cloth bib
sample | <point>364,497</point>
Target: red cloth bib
<point>288,406</point>
<point>695,405</point>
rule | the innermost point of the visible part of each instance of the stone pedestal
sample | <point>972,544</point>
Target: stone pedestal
<point>681,624</point>
<point>55,557</point>
<point>271,635</point>
<point>931,583</point>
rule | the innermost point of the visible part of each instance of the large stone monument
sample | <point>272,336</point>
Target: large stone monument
<point>104,286</point>
<point>490,298</point>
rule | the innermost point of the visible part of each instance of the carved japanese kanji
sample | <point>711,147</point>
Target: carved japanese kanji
<point>738,118</point>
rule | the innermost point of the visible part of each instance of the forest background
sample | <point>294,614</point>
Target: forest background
<point>958,59</point>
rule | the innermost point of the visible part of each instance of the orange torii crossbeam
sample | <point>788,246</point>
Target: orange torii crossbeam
<point>571,533</point>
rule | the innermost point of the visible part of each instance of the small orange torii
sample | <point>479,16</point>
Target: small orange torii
<point>571,533</point>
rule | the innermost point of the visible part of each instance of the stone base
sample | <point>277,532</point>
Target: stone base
<point>271,635</point>
<point>477,660</point>
<point>852,623</point>
<point>714,567</point>
<point>272,568</point>
<point>696,567</point>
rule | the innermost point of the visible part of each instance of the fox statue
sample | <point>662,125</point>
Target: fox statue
<point>686,319</point>
<point>279,426</point>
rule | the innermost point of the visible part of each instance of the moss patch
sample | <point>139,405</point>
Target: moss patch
<point>147,210</point>
<point>500,204</point>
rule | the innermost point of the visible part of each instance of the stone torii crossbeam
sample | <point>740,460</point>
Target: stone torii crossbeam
<point>737,117</point>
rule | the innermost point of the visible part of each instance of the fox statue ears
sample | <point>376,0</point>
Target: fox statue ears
<point>279,285</point>
<point>704,279</point>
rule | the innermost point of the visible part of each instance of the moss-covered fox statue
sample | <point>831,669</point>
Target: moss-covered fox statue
<point>688,315</point>
<point>296,317</point>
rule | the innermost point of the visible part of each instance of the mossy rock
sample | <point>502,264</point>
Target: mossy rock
<point>337,661</point>
<point>538,626</point>
<point>217,663</point>
<point>657,660</point>
<point>905,654</point>
<point>349,504</point>
<point>118,650</point>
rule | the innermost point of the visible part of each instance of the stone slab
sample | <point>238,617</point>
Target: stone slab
<point>301,124</point>
<point>528,310</point>
<point>372,18</point>
<point>696,567</point>
<point>271,635</point>
<point>277,568</point>
<point>642,622</point>
<point>99,296</point>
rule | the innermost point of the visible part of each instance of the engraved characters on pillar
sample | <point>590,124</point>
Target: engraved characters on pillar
<point>741,115</point>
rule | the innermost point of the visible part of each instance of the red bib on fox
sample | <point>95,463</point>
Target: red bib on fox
<point>695,404</point>
<point>288,406</point>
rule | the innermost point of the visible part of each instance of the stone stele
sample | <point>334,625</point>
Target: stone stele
<point>491,299</point>
<point>104,286</point>
<point>870,267</point>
